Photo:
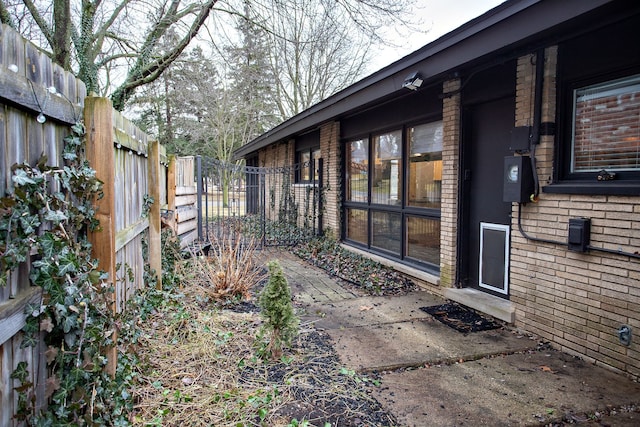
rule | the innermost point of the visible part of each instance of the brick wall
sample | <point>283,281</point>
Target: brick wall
<point>450,161</point>
<point>330,152</point>
<point>576,301</point>
<point>276,155</point>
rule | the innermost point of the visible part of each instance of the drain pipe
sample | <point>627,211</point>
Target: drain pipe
<point>537,120</point>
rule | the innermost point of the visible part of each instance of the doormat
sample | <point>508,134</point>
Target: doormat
<point>460,318</point>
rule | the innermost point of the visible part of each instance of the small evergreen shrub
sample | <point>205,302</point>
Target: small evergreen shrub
<point>276,308</point>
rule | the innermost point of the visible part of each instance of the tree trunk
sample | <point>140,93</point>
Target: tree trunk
<point>62,33</point>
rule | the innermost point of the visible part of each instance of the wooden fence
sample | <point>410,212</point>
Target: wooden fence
<point>126,161</point>
<point>182,199</point>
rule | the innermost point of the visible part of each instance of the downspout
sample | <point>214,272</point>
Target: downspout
<point>534,140</point>
<point>537,120</point>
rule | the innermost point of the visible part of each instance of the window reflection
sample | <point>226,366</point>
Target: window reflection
<point>357,170</point>
<point>357,225</point>
<point>423,239</point>
<point>425,165</point>
<point>387,231</point>
<point>387,172</point>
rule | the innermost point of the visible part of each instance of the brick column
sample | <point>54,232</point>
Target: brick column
<point>450,162</point>
<point>330,150</point>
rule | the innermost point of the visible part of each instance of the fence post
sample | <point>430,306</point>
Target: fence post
<point>320,204</point>
<point>98,119</point>
<point>263,209</point>
<point>155,238</point>
<point>171,193</point>
<point>200,191</point>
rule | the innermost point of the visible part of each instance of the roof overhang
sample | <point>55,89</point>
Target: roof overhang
<point>513,23</point>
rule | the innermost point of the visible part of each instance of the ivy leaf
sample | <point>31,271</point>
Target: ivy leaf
<point>69,156</point>
<point>21,373</point>
<point>21,178</point>
<point>34,310</point>
<point>95,276</point>
<point>29,340</point>
<point>47,245</point>
<point>70,339</point>
<point>46,324</point>
<point>61,311</point>
<point>29,223</point>
<point>69,323</point>
<point>7,202</point>
<point>41,275</point>
<point>52,384</point>
<point>78,129</point>
<point>51,353</point>
<point>66,263</point>
<point>56,216</point>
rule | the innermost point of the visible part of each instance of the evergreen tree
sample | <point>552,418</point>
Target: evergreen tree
<point>276,308</point>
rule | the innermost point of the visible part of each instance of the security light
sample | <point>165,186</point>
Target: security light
<point>413,82</point>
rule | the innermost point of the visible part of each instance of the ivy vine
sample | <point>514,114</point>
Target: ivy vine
<point>45,218</point>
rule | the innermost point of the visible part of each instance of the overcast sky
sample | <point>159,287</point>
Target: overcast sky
<point>440,17</point>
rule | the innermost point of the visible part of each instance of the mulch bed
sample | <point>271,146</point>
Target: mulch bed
<point>354,270</point>
<point>460,318</point>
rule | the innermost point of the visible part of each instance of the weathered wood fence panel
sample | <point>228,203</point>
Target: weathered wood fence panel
<point>30,85</point>
<point>183,202</point>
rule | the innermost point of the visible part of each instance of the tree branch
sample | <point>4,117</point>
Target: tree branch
<point>5,16</point>
<point>143,73</point>
<point>42,24</point>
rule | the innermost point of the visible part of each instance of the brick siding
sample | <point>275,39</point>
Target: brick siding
<point>330,150</point>
<point>577,301</point>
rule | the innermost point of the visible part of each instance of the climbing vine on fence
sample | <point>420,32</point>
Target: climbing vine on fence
<point>46,218</point>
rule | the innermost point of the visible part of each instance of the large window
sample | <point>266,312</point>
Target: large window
<point>606,126</point>
<point>393,193</point>
<point>356,226</point>
<point>423,239</point>
<point>425,165</point>
<point>386,233</point>
<point>387,171</point>
<point>357,166</point>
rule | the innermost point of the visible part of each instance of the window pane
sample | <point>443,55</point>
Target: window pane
<point>425,165</point>
<point>387,173</point>
<point>357,225</point>
<point>315,155</point>
<point>357,170</point>
<point>386,231</point>
<point>305,157</point>
<point>423,239</point>
<point>606,129</point>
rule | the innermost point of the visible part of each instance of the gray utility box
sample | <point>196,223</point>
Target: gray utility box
<point>518,179</point>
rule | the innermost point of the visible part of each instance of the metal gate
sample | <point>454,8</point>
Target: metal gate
<point>269,206</point>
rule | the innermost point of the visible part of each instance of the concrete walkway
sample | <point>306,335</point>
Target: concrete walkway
<point>433,375</point>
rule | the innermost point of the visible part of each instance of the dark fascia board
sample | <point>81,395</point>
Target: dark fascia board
<point>507,24</point>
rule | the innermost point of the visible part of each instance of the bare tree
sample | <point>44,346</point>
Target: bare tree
<point>98,38</point>
<point>313,53</point>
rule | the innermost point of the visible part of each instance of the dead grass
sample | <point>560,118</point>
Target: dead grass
<point>199,369</point>
<point>230,270</point>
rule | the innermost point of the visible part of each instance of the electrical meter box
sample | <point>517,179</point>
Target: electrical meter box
<point>518,179</point>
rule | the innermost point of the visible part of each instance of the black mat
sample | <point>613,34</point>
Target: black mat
<point>460,318</point>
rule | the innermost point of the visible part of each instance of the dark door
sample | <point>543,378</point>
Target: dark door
<point>485,217</point>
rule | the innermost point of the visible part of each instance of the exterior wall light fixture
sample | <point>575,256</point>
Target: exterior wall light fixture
<point>413,82</point>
